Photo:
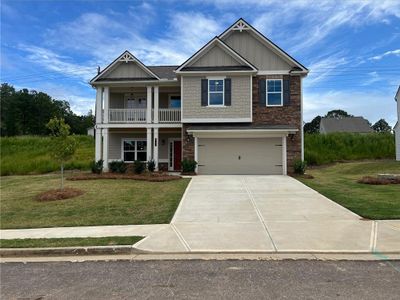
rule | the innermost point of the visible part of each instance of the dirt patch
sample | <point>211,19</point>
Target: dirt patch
<point>378,181</point>
<point>153,177</point>
<point>58,194</point>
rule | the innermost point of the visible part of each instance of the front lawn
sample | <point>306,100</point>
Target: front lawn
<point>70,242</point>
<point>105,202</point>
<point>339,183</point>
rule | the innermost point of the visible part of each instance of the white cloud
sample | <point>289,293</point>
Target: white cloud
<point>371,105</point>
<point>391,52</point>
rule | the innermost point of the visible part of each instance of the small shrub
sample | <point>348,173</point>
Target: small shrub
<point>151,166</point>
<point>299,166</point>
<point>138,167</point>
<point>188,166</point>
<point>97,166</point>
<point>117,166</point>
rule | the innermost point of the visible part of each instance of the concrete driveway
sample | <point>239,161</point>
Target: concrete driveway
<point>266,213</point>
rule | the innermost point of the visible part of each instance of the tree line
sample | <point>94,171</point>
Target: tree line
<point>313,126</point>
<point>26,112</point>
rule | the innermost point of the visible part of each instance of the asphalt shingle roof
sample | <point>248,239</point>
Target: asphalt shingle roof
<point>164,72</point>
<point>349,124</point>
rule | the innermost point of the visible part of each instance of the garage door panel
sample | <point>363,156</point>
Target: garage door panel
<point>240,156</point>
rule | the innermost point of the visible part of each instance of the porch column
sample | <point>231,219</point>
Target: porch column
<point>106,103</point>
<point>149,100</point>
<point>156,104</point>
<point>98,144</point>
<point>149,148</point>
<point>105,149</point>
<point>155,145</point>
<point>99,105</point>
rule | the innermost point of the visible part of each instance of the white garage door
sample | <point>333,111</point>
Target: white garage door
<point>246,156</point>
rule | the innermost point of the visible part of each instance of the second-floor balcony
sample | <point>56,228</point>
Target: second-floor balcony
<point>139,115</point>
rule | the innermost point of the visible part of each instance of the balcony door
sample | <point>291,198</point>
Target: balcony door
<point>133,100</point>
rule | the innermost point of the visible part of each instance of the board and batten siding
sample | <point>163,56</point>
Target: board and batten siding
<point>255,51</point>
<point>240,100</point>
<point>127,70</point>
<point>215,57</point>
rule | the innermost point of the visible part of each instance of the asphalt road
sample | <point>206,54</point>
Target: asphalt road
<point>201,279</point>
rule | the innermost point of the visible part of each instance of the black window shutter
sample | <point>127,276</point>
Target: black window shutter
<point>286,91</point>
<point>262,92</point>
<point>228,91</point>
<point>204,92</point>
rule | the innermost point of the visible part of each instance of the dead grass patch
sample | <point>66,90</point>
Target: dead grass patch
<point>378,181</point>
<point>152,177</point>
<point>59,194</point>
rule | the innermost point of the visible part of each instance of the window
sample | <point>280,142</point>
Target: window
<point>134,150</point>
<point>215,92</point>
<point>274,92</point>
<point>174,101</point>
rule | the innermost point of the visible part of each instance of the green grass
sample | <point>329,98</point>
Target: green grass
<point>70,242</point>
<point>30,155</point>
<point>339,183</point>
<point>105,202</point>
<point>327,148</point>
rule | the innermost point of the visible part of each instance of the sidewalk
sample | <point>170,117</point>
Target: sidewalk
<point>373,236</point>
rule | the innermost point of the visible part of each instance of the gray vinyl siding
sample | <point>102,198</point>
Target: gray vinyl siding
<point>255,51</point>
<point>215,57</point>
<point>127,70</point>
<point>240,100</point>
<point>116,100</point>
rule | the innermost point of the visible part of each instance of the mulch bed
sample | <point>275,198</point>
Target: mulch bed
<point>153,177</point>
<point>58,194</point>
<point>305,176</point>
<point>378,181</point>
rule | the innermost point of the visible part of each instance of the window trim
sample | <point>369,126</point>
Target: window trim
<point>266,92</point>
<point>169,100</point>
<point>135,151</point>
<point>223,91</point>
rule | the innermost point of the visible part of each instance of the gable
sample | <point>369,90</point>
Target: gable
<point>125,67</point>
<point>251,48</point>
<point>128,69</point>
<point>215,57</point>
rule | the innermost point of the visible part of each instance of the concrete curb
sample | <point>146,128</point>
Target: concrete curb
<point>130,250</point>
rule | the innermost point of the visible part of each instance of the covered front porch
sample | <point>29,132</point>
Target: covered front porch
<point>163,145</point>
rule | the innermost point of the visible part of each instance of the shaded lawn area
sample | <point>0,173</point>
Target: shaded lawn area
<point>339,183</point>
<point>105,202</point>
<point>70,242</point>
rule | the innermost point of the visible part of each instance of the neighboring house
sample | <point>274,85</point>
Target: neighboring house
<point>346,124</point>
<point>90,131</point>
<point>397,126</point>
<point>235,106</point>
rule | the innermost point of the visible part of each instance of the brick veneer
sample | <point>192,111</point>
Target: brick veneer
<point>280,115</point>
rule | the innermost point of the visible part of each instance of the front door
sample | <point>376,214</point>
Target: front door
<point>177,155</point>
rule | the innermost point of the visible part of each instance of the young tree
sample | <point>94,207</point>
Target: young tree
<point>63,145</point>
<point>381,126</point>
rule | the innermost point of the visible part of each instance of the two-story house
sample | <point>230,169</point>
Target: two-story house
<point>235,107</point>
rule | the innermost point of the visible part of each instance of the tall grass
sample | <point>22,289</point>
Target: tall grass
<point>30,155</point>
<point>326,148</point>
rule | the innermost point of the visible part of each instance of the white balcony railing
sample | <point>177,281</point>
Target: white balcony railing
<point>121,115</point>
<point>169,115</point>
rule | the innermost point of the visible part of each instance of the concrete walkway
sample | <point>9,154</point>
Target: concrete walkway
<point>248,214</point>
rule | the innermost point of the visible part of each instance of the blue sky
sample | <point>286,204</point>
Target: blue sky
<point>351,47</point>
